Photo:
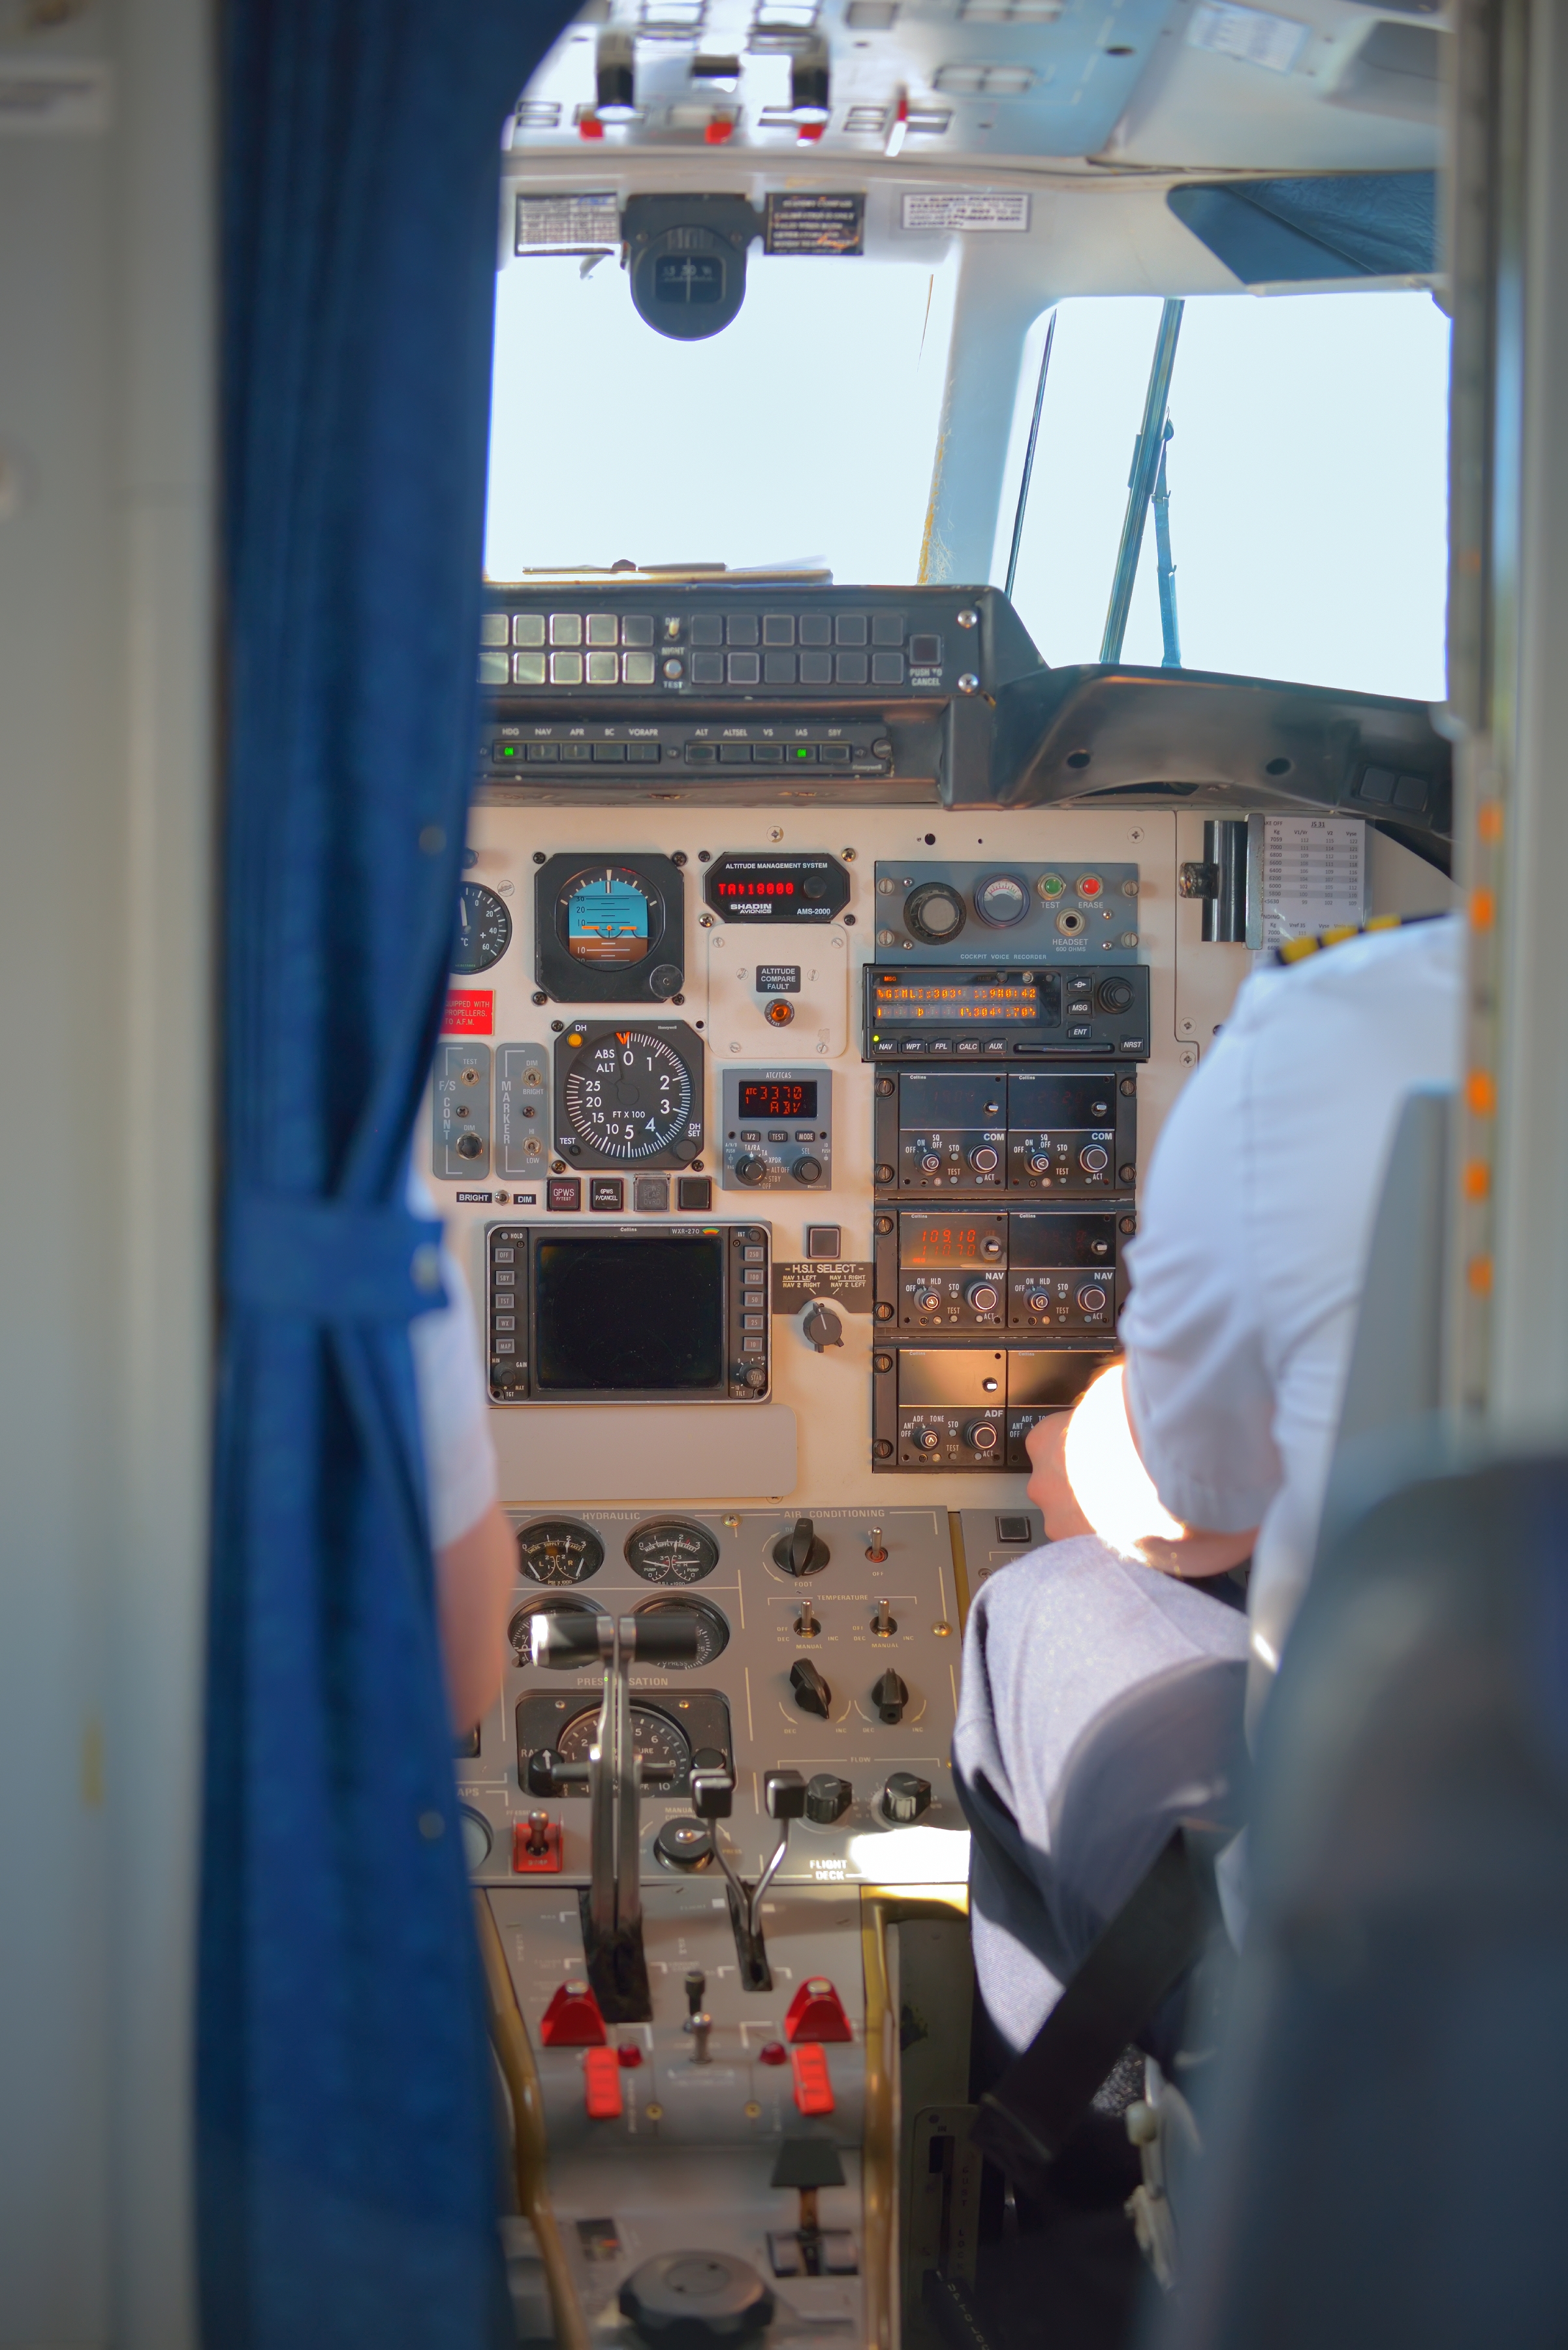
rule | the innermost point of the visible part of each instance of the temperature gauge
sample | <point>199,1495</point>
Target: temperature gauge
<point>484,929</point>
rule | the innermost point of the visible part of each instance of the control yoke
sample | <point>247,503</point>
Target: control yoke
<point>611,1775</point>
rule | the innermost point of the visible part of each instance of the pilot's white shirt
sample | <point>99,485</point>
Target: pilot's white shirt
<point>1254,1225</point>
<point>454,1419</point>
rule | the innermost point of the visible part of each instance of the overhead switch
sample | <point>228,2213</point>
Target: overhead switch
<point>816,2012</point>
<point>573,2020</point>
<point>811,1693</point>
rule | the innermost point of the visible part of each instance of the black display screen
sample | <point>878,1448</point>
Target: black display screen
<point>627,1315</point>
<point>955,1003</point>
<point>948,1097</point>
<point>769,1097</point>
<point>1048,1100</point>
<point>1062,1240</point>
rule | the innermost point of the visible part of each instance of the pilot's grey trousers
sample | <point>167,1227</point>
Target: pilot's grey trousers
<point>1102,1702</point>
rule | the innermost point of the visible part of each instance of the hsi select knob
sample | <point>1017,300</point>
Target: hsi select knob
<point>811,1693</point>
<point>905,1797</point>
<point>890,1696</point>
<point>827,1798</point>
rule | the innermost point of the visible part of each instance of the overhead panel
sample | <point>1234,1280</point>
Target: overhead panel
<point>993,78</point>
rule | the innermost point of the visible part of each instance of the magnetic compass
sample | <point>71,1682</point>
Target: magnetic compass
<point>628,1097</point>
<point>558,1550</point>
<point>484,929</point>
<point>671,1550</point>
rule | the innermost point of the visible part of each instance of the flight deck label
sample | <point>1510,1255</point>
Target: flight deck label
<point>469,1012</point>
<point>553,223</point>
<point>1005,208</point>
<point>805,220</point>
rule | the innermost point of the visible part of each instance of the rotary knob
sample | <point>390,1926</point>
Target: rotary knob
<point>811,1693</point>
<point>931,1163</point>
<point>470,1146</point>
<point>751,1170</point>
<point>1039,1300</point>
<point>934,913</point>
<point>905,1797</point>
<point>807,1170</point>
<point>983,1296</point>
<point>802,1551</point>
<point>1115,994</point>
<point>984,1160</point>
<point>1093,1158</point>
<point>890,1696</point>
<point>827,1798</point>
<point>1091,1300</point>
<point>683,1844</point>
<point>927,1300</point>
<point>926,1440</point>
<point>982,1436</point>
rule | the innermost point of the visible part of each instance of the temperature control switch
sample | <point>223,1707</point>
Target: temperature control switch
<point>777,1129</point>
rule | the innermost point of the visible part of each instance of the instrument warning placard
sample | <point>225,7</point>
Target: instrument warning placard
<point>803,221</point>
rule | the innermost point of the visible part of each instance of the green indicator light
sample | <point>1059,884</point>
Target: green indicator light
<point>801,751</point>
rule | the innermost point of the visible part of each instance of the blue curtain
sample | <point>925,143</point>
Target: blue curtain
<point>345,2122</point>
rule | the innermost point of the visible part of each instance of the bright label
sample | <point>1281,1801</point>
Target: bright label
<point>469,1012</point>
<point>937,210</point>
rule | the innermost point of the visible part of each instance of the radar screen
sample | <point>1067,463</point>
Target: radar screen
<point>609,931</point>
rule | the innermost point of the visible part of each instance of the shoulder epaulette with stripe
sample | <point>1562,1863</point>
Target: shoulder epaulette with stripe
<point>1298,949</point>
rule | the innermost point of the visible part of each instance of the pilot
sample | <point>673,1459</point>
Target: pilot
<point>476,1555</point>
<point>1210,1443</point>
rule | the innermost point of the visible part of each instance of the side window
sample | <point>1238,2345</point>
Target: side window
<point>1307,477</point>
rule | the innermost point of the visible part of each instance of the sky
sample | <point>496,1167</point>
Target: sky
<point>1307,470</point>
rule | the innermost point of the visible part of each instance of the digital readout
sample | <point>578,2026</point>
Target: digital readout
<point>763,1098</point>
<point>956,1003</point>
<point>753,889</point>
<point>923,1240</point>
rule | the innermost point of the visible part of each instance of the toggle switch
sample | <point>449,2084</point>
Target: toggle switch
<point>890,1696</point>
<point>884,1624</point>
<point>536,1846</point>
<point>811,1693</point>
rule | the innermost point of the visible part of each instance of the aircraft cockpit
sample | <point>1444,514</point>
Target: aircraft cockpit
<point>828,734</point>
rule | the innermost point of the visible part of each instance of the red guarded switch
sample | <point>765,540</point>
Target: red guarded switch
<point>601,2085</point>
<point>812,2082</point>
<point>573,2020</point>
<point>816,2012</point>
<point>536,1846</point>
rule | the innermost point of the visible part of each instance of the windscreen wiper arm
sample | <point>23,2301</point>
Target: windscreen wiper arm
<point>1148,452</point>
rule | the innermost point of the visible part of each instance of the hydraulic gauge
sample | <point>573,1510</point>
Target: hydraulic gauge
<point>484,929</point>
<point>671,1550</point>
<point>519,1631</point>
<point>609,930</point>
<point>558,1550</point>
<point>628,1096</point>
<point>655,1739</point>
<point>712,1631</point>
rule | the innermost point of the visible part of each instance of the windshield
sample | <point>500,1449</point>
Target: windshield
<point>1307,480</point>
<point>806,428</point>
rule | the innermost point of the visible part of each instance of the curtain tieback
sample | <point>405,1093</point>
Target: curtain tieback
<point>332,1260</point>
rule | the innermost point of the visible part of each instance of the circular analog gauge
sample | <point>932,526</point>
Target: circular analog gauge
<point>477,1839</point>
<point>629,1095</point>
<point>1001,899</point>
<point>606,917</point>
<point>712,1631</point>
<point>654,1737</point>
<point>518,1633</point>
<point>483,928</point>
<point>673,1550</point>
<point>558,1550</point>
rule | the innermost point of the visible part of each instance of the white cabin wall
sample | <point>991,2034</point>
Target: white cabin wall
<point>106,781</point>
